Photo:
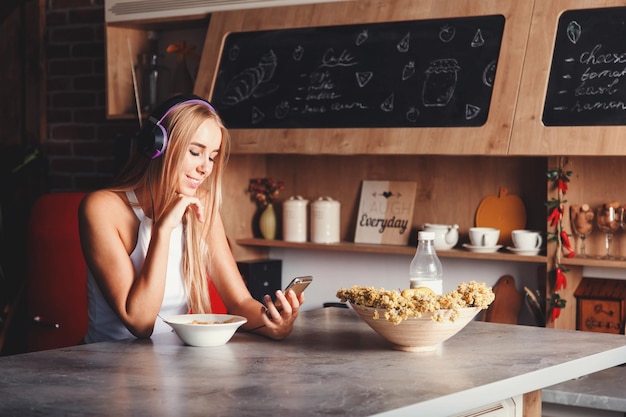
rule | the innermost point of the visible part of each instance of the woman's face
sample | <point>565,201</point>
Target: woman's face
<point>199,158</point>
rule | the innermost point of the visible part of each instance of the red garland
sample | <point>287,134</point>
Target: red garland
<point>555,216</point>
<point>558,279</point>
<point>561,279</point>
<point>567,245</point>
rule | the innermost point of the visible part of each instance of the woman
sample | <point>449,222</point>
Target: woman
<point>153,239</point>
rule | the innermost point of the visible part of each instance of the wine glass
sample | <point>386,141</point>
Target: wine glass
<point>606,219</point>
<point>582,224</point>
<point>621,219</point>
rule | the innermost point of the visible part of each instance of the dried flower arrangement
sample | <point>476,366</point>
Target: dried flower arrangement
<point>264,191</point>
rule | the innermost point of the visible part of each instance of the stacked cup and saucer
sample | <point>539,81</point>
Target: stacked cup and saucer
<point>526,242</point>
<point>483,240</point>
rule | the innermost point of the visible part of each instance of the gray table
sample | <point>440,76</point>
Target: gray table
<point>332,364</point>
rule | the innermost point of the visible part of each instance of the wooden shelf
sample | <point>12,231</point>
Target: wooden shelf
<point>593,261</point>
<point>391,250</point>
<point>126,40</point>
<point>501,255</point>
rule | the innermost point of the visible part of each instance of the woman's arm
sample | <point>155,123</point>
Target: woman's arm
<point>108,230</point>
<point>269,321</point>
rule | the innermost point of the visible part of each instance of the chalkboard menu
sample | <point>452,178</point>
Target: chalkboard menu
<point>425,73</point>
<point>585,86</point>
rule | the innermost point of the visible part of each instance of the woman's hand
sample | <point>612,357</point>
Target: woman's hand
<point>281,315</point>
<point>176,210</point>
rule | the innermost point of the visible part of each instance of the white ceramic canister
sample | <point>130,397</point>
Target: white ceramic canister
<point>325,220</point>
<point>295,219</point>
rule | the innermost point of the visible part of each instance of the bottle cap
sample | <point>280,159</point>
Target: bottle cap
<point>426,235</point>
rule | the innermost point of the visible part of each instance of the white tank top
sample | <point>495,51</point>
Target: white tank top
<point>104,324</point>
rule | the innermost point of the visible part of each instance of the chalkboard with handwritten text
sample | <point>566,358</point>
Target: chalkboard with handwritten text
<point>424,73</point>
<point>587,84</point>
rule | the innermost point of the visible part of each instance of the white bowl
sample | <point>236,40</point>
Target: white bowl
<point>207,330</point>
<point>416,333</point>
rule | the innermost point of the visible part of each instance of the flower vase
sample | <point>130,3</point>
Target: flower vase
<point>267,222</point>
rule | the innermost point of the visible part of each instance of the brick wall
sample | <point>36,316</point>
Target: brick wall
<point>81,143</point>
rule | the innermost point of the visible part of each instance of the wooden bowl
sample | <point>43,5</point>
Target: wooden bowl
<point>416,334</point>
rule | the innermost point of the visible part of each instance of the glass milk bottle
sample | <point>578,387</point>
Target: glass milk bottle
<point>426,269</point>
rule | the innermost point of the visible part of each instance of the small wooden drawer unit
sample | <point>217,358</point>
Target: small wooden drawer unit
<point>600,305</point>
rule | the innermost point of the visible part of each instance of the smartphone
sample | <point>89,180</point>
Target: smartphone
<point>298,284</point>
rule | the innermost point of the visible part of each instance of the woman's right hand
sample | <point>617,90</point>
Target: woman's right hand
<point>176,210</point>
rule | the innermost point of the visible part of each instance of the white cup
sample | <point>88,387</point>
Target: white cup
<point>526,239</point>
<point>484,236</point>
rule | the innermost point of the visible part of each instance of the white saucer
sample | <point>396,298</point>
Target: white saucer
<point>482,249</point>
<point>524,252</point>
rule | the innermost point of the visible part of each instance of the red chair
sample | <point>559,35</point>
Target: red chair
<point>56,282</point>
<point>217,305</point>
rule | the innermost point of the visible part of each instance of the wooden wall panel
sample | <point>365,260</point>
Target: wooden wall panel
<point>122,44</point>
<point>489,139</point>
<point>449,189</point>
<point>238,212</point>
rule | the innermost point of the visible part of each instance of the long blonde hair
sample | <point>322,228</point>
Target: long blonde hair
<point>160,176</point>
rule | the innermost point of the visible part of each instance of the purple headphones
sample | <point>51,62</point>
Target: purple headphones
<point>152,138</point>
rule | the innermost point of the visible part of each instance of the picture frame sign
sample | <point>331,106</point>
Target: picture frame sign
<point>385,212</point>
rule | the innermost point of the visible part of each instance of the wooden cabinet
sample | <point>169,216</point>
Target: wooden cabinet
<point>490,139</point>
<point>594,181</point>
<point>514,125</point>
<point>600,305</point>
<point>510,407</point>
<point>530,136</point>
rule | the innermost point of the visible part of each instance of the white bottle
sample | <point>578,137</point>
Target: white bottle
<point>426,269</point>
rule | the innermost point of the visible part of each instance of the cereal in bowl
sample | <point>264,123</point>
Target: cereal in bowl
<point>398,307</point>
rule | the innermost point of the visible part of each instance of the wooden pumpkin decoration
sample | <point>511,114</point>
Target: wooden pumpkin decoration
<point>505,211</point>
